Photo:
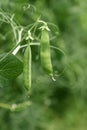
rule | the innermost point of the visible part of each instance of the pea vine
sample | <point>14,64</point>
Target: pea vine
<point>25,37</point>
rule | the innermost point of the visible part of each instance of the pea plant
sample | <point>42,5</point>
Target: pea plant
<point>36,34</point>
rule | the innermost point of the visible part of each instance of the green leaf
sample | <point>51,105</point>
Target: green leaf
<point>11,67</point>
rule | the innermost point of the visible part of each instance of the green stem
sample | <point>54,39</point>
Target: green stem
<point>15,107</point>
<point>37,44</point>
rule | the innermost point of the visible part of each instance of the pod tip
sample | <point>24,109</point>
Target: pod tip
<point>53,78</point>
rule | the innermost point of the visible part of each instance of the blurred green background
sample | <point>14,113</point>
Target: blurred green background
<point>60,105</point>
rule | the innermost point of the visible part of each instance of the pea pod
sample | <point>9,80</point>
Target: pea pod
<point>45,55</point>
<point>27,67</point>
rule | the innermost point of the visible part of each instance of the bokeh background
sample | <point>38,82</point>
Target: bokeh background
<point>59,105</point>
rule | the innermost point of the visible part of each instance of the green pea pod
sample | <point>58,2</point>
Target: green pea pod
<point>45,55</point>
<point>27,67</point>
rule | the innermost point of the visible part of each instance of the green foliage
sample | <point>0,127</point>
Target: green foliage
<point>10,67</point>
<point>55,105</point>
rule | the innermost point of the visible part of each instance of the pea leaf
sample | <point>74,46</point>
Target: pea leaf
<point>10,67</point>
